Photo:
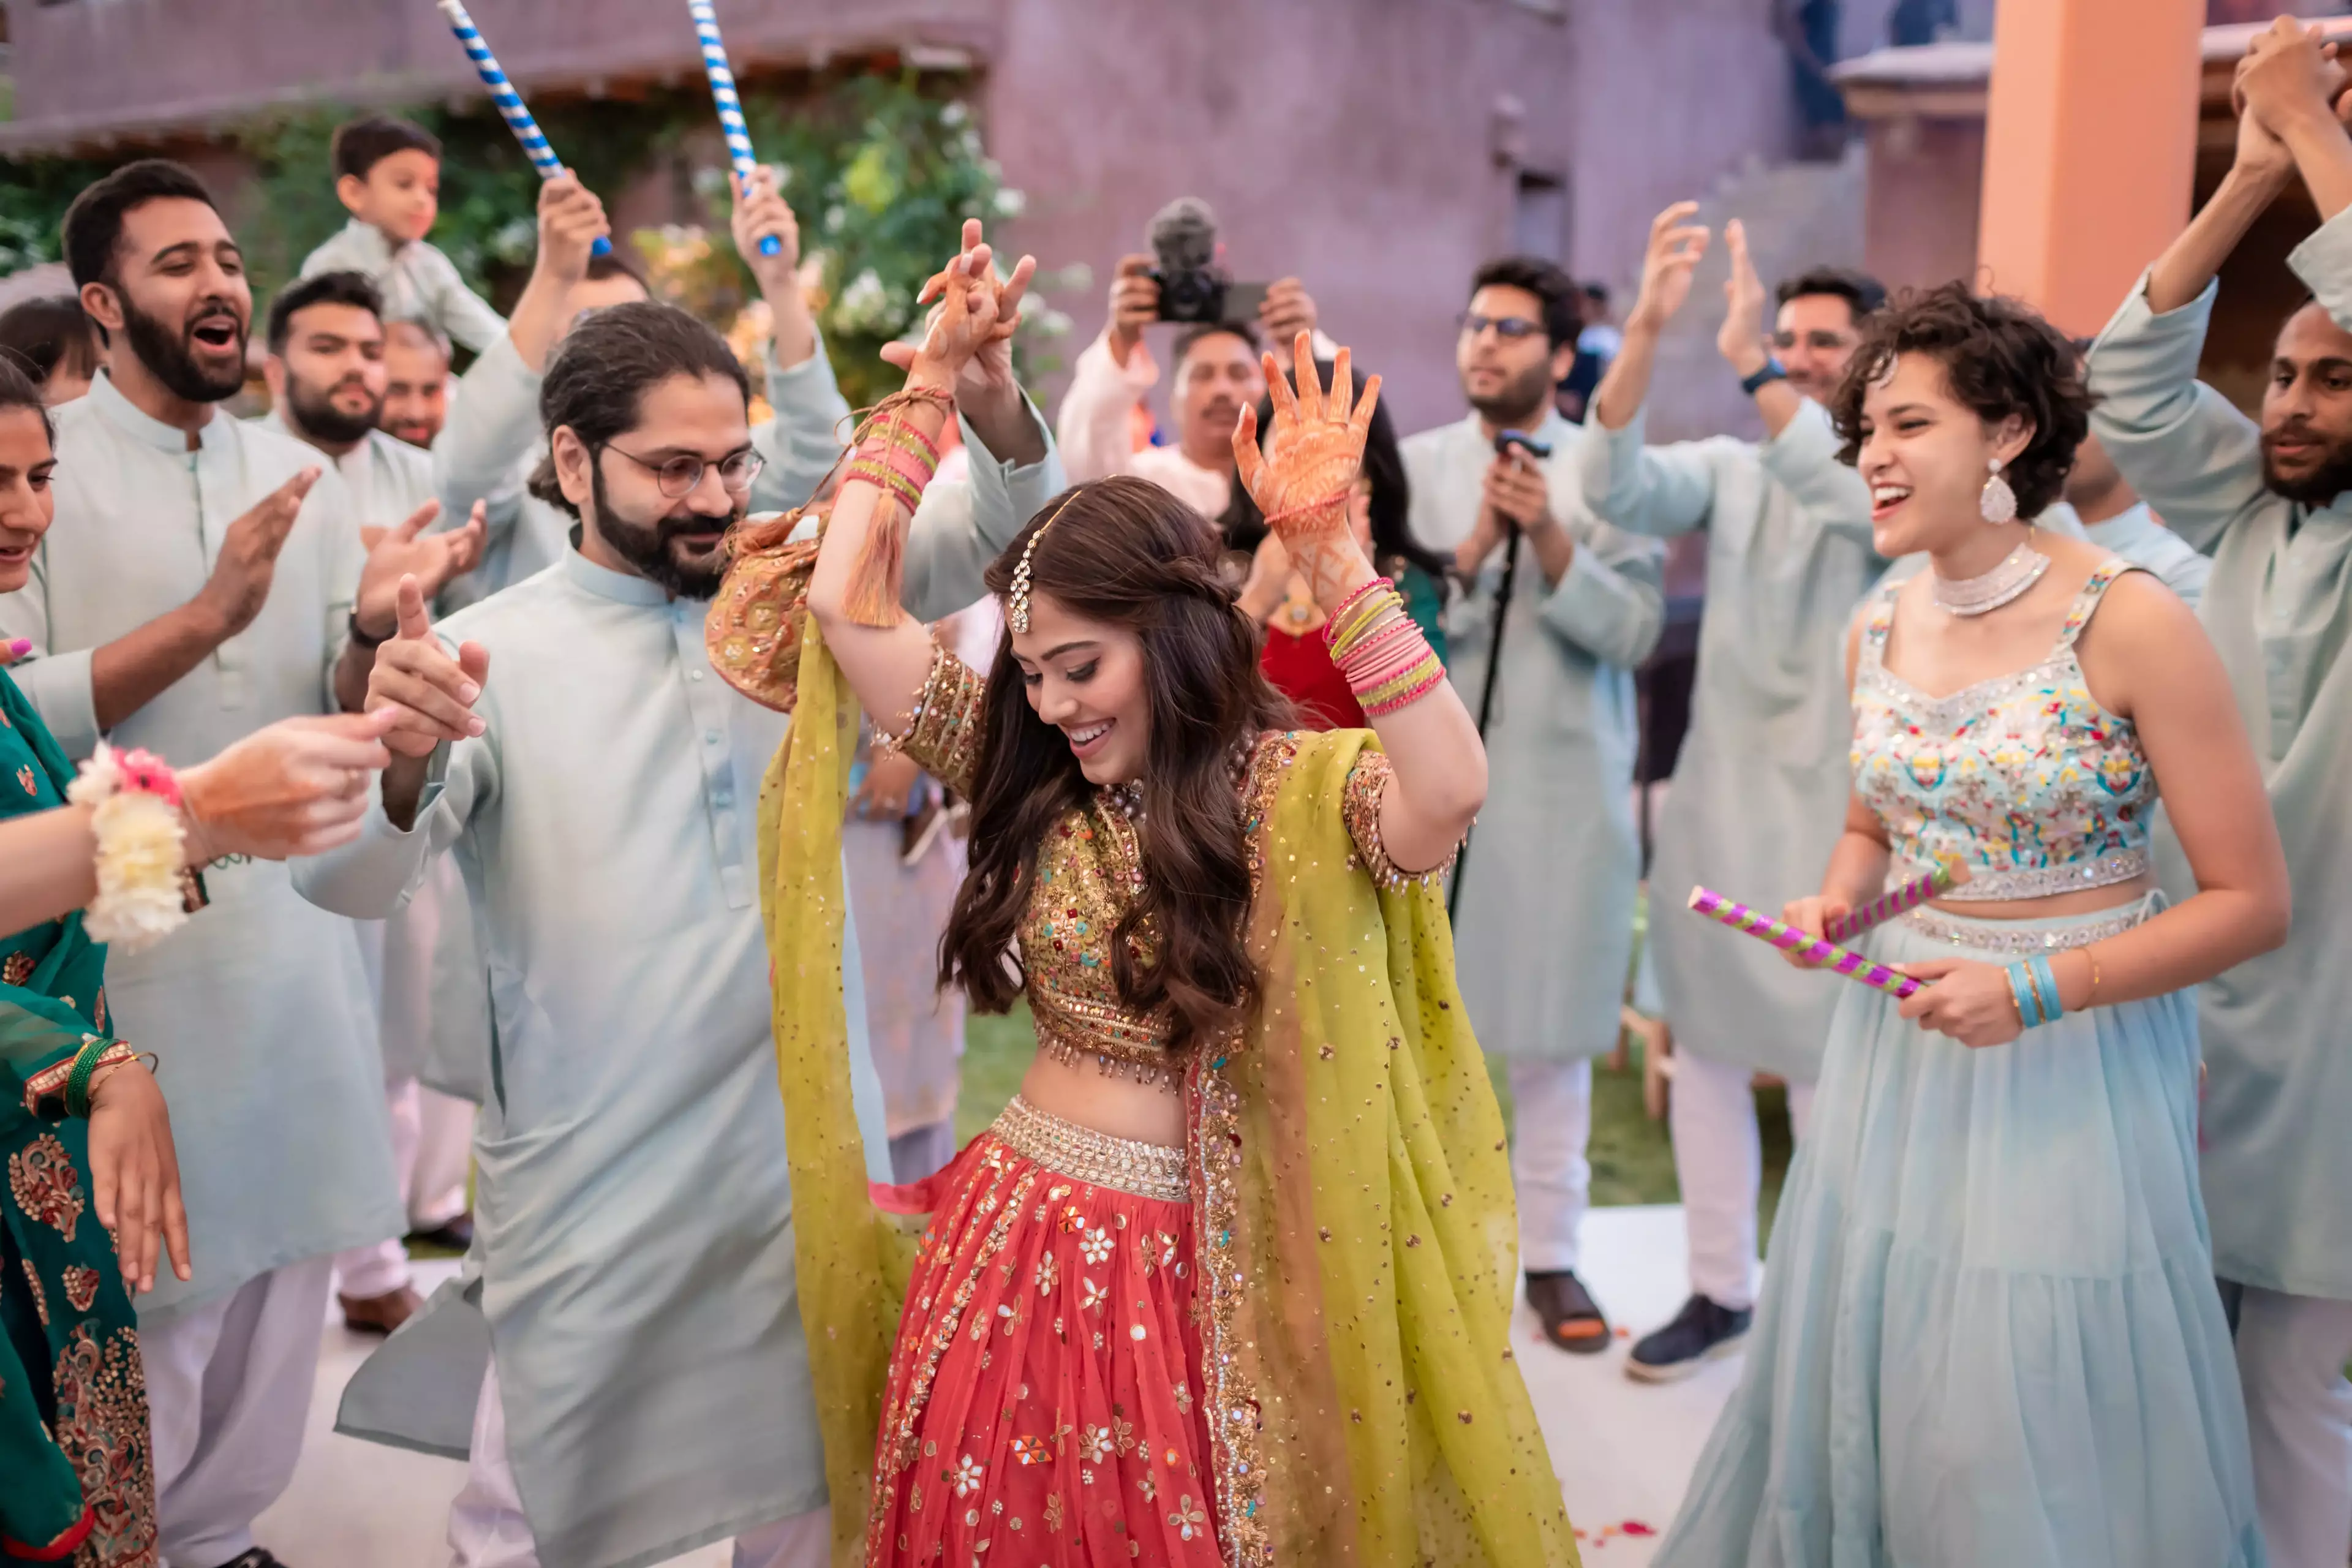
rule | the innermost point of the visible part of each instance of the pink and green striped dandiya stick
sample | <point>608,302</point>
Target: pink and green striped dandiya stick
<point>1887,905</point>
<point>1788,939</point>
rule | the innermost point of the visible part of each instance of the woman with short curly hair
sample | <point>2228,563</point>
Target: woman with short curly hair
<point>1989,1332</point>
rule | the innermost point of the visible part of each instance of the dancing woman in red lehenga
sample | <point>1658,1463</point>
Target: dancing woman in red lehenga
<point>1229,1282</point>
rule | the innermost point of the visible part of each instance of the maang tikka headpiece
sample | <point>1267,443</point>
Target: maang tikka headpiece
<point>1017,613</point>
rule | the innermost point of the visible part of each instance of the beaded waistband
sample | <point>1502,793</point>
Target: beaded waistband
<point>1991,884</point>
<point>1122,1164</point>
<point>2023,936</point>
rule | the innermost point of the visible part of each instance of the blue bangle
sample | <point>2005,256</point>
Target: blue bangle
<point>2045,987</point>
<point>2021,991</point>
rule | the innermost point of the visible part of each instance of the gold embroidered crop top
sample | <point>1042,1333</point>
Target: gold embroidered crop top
<point>1089,869</point>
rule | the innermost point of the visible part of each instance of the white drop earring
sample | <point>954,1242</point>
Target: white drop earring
<point>1996,503</point>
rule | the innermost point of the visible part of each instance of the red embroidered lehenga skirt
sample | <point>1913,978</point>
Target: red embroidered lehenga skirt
<point>1045,1401</point>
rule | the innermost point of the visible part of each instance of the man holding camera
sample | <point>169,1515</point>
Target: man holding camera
<point>1761,786</point>
<point>1215,356</point>
<point>1562,608</point>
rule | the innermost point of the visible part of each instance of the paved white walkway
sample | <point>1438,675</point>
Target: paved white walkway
<point>1623,1450</point>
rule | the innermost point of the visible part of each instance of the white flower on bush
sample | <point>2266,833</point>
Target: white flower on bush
<point>865,306</point>
<point>954,114</point>
<point>1009,203</point>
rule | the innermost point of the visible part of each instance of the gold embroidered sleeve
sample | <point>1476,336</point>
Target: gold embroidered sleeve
<point>1368,783</point>
<point>942,733</point>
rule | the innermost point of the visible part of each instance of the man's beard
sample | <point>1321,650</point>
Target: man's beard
<point>646,546</point>
<point>313,413</point>
<point>1521,403</point>
<point>2322,484</point>
<point>164,350</point>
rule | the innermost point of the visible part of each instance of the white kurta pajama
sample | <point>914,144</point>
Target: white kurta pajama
<point>259,1008</point>
<point>417,282</point>
<point>389,480</point>
<point>1760,790</point>
<point>1545,933</point>
<point>634,1251</point>
<point>2277,1164</point>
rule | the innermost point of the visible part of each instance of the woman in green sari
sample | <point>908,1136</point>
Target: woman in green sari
<point>92,1196</point>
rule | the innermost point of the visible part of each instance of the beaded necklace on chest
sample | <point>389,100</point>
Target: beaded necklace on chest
<point>2018,570</point>
<point>1127,799</point>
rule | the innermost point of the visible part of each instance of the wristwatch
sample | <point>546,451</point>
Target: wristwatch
<point>1773,371</point>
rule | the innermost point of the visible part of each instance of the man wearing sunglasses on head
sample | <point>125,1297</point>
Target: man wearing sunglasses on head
<point>1759,787</point>
<point>1544,909</point>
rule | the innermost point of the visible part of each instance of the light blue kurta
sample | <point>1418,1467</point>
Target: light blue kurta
<point>635,1259</point>
<point>635,1255</point>
<point>423,965</point>
<point>1545,930</point>
<point>2277,1161</point>
<point>2134,534</point>
<point>1760,787</point>
<point>418,283</point>
<point>259,1008</point>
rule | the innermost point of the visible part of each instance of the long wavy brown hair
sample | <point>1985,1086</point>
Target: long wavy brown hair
<point>1127,553</point>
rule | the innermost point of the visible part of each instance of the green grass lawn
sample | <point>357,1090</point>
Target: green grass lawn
<point>1633,1162</point>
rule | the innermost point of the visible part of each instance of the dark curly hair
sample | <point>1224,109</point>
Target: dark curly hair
<point>2000,358</point>
<point>1124,551</point>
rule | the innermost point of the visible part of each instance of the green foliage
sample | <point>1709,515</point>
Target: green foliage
<point>881,171</point>
<point>882,176</point>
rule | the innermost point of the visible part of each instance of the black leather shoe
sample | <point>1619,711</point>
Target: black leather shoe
<point>1700,1332</point>
<point>457,1235</point>
<point>1571,1320</point>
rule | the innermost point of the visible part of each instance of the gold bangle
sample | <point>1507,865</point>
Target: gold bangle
<point>2092,952</point>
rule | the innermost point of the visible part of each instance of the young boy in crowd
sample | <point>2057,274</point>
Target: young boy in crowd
<point>388,174</point>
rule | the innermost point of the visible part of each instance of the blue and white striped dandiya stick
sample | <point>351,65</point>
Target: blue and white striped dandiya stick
<point>731,107</point>
<point>510,105</point>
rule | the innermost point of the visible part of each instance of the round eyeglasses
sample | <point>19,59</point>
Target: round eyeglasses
<point>678,476</point>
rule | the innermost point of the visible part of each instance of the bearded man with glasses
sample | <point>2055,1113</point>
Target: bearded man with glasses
<point>1759,786</point>
<point>1563,607</point>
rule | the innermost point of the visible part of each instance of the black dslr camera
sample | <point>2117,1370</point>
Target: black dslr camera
<point>1192,286</point>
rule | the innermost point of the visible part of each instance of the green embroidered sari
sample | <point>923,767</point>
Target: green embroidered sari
<point>78,1486</point>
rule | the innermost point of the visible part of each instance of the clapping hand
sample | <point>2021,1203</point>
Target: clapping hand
<point>1302,479</point>
<point>433,560</point>
<point>1676,246</point>
<point>1741,338</point>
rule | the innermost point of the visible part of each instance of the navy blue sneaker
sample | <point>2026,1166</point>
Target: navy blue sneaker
<point>1700,1332</point>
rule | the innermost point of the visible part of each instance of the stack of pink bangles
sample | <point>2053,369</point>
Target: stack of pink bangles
<point>897,459</point>
<point>1385,659</point>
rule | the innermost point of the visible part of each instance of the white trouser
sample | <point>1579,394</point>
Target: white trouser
<point>2291,1352</point>
<point>228,1392</point>
<point>1551,1121</point>
<point>487,1530</point>
<point>1719,1163</point>
<point>435,1180</point>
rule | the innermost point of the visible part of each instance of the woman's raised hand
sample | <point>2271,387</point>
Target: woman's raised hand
<point>963,322</point>
<point>297,787</point>
<point>1302,479</point>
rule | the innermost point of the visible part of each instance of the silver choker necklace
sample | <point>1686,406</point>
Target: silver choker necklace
<point>2018,571</point>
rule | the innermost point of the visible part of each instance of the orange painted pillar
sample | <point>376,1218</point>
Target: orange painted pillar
<point>2090,149</point>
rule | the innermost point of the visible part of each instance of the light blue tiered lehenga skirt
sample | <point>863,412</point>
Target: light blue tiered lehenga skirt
<point>1989,1335</point>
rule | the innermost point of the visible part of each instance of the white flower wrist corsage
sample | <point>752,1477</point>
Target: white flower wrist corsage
<point>143,885</point>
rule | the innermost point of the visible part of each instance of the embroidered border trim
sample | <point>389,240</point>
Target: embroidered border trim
<point>1123,1164</point>
<point>1998,883</point>
<point>2027,937</point>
